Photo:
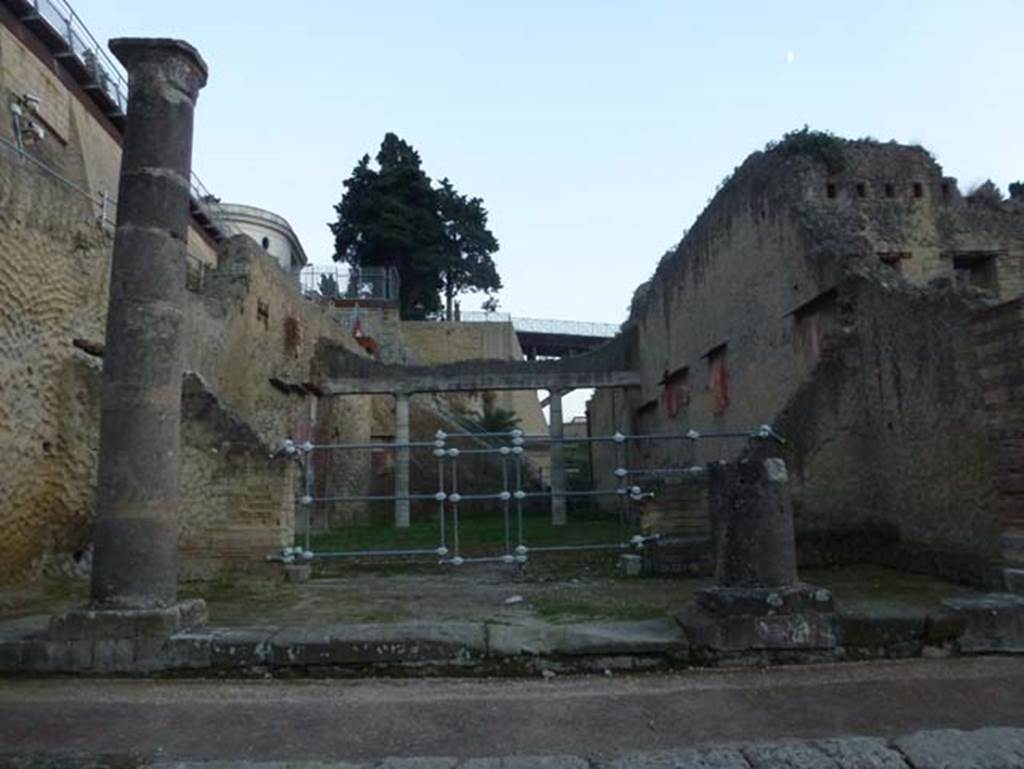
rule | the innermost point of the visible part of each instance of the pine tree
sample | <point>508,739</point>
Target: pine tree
<point>391,216</point>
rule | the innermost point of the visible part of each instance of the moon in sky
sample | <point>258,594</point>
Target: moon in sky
<point>790,57</point>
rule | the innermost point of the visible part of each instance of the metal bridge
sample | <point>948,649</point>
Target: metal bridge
<point>542,338</point>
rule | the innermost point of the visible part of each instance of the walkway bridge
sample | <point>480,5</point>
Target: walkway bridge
<point>542,338</point>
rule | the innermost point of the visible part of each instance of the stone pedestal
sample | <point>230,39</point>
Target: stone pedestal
<point>116,624</point>
<point>758,606</point>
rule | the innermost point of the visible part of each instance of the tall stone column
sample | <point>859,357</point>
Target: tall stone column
<point>557,454</point>
<point>138,494</point>
<point>402,460</point>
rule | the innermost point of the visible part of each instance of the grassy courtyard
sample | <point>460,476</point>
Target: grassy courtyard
<point>479,534</point>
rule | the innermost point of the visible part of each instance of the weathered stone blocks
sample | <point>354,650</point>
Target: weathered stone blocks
<point>992,623</point>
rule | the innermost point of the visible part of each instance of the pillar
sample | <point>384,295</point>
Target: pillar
<point>138,489</point>
<point>758,610</point>
<point>752,524</point>
<point>402,460</point>
<point>557,453</point>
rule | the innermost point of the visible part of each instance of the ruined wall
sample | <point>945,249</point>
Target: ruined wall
<point>249,326</point>
<point>734,322</point>
<point>889,431</point>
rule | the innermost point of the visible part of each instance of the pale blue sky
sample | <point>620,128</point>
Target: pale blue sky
<point>594,131</point>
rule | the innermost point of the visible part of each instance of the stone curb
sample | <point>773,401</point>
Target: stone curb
<point>986,624</point>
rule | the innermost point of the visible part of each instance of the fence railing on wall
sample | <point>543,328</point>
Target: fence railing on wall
<point>351,283</point>
<point>103,74</point>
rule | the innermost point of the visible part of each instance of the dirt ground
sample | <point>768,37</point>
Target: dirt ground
<point>553,589</point>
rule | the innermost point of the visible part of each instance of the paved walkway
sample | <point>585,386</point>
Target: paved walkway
<point>597,718</point>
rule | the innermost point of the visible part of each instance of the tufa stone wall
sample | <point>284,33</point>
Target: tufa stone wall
<point>889,431</point>
<point>736,324</point>
<point>249,326</point>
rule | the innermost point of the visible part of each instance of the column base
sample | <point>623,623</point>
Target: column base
<point>734,621</point>
<point>87,624</point>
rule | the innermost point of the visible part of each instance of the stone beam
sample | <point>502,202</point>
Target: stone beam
<point>438,383</point>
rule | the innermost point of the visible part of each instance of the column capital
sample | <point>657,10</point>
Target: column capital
<point>162,59</point>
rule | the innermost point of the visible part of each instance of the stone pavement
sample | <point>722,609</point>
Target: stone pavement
<point>988,748</point>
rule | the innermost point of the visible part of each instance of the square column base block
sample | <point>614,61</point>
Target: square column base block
<point>798,617</point>
<point>95,624</point>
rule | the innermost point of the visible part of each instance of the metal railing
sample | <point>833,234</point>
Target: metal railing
<point>508,496</point>
<point>107,76</point>
<point>347,282</point>
<point>544,326</point>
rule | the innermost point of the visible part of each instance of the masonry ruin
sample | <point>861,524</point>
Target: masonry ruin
<point>840,311</point>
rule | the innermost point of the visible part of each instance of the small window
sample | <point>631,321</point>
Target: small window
<point>977,270</point>
<point>918,190</point>
<point>890,191</point>
<point>718,380</point>
<point>893,258</point>
<point>945,191</point>
<point>862,190</point>
<point>830,190</point>
<point>266,243</point>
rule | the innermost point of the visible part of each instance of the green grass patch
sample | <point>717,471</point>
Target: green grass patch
<point>478,535</point>
<point>555,608</point>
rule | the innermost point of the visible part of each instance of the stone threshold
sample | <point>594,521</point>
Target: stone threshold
<point>979,625</point>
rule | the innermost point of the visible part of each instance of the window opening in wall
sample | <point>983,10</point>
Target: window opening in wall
<point>830,190</point>
<point>718,379</point>
<point>813,320</point>
<point>893,259</point>
<point>675,393</point>
<point>890,191</point>
<point>862,190</point>
<point>945,191</point>
<point>977,270</point>
<point>266,243</point>
<point>645,421</point>
<point>918,190</point>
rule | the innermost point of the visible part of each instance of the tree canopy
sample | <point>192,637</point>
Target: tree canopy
<point>391,215</point>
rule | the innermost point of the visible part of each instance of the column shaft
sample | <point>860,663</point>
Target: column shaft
<point>138,489</point>
<point>401,461</point>
<point>557,453</point>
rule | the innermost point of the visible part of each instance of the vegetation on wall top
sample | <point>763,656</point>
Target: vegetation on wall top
<point>822,146</point>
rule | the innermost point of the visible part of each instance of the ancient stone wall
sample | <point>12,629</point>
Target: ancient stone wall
<point>249,326</point>
<point>80,144</point>
<point>889,430</point>
<point>735,320</point>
